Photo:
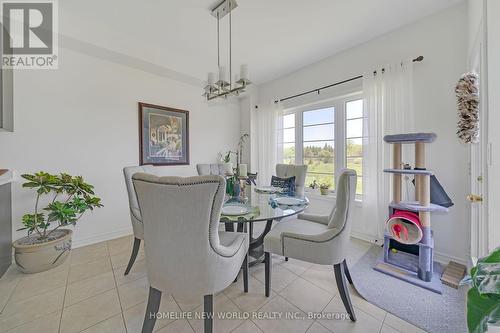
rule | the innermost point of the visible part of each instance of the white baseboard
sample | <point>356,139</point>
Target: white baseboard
<point>366,238</point>
<point>444,259</point>
<point>102,237</point>
<point>440,257</point>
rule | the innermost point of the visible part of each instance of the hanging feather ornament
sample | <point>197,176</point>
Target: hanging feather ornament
<point>467,91</point>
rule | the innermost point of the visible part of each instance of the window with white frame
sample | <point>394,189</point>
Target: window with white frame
<point>318,142</point>
<point>327,137</point>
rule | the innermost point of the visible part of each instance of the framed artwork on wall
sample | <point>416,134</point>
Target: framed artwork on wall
<point>163,135</point>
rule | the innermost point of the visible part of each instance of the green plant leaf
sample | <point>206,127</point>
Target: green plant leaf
<point>79,204</point>
<point>486,278</point>
<point>481,309</point>
<point>64,213</point>
<point>43,182</point>
<point>486,266</point>
<point>93,202</point>
<point>31,222</point>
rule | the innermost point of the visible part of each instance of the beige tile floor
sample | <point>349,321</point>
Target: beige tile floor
<point>89,293</point>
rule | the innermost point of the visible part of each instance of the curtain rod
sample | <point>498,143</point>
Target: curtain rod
<point>317,90</point>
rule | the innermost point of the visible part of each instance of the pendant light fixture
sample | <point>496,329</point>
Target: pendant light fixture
<point>222,84</point>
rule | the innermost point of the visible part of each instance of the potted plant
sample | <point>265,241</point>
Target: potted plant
<point>483,298</point>
<point>71,197</point>
<point>324,188</point>
<point>314,186</point>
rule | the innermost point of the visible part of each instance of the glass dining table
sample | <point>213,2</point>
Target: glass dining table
<point>259,207</point>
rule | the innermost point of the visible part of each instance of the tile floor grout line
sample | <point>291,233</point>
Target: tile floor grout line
<point>88,297</point>
<point>241,324</point>
<point>117,292</point>
<point>394,328</point>
<point>27,322</point>
<point>383,321</point>
<point>331,298</point>
<point>236,305</point>
<point>37,293</point>
<point>176,320</point>
<point>316,284</point>
<point>65,291</point>
<point>308,327</point>
<point>326,328</point>
<point>10,295</point>
<point>256,326</point>
<point>91,262</point>
<point>100,321</point>
<point>295,278</point>
<point>359,309</point>
<point>181,312</point>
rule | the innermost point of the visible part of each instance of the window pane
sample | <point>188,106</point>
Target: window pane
<point>354,147</point>
<point>359,186</point>
<point>289,135</point>
<point>354,128</point>
<point>319,116</point>
<point>354,109</point>
<point>319,165</point>
<point>319,132</point>
<point>289,153</point>
<point>289,120</point>
<point>320,149</point>
<point>355,163</point>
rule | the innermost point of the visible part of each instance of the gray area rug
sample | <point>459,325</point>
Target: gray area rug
<point>430,311</point>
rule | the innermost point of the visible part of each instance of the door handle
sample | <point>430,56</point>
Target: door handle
<point>474,198</point>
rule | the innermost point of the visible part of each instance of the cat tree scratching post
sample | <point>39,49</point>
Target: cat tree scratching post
<point>396,164</point>
<point>412,262</point>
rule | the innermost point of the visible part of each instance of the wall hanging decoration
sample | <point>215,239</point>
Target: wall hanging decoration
<point>163,135</point>
<point>467,91</point>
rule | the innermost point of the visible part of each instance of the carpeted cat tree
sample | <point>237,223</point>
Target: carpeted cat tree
<point>408,241</point>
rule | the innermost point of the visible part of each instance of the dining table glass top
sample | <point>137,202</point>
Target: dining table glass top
<point>262,206</point>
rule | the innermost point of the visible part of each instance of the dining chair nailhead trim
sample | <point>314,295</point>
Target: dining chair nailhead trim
<point>219,182</point>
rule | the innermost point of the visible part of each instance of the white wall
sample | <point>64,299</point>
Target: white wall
<point>493,54</point>
<point>442,40</point>
<point>83,119</point>
<point>475,9</point>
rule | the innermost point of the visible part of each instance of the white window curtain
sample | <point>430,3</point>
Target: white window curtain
<point>270,146</point>
<point>388,108</point>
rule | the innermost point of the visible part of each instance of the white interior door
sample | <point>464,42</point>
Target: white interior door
<point>478,165</point>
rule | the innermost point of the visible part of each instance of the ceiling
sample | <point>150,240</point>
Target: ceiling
<point>275,37</point>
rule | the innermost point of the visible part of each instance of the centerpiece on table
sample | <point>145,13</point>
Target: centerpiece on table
<point>236,182</point>
<point>69,198</point>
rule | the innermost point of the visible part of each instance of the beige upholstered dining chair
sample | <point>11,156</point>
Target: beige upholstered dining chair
<point>135,213</point>
<point>318,239</point>
<point>291,170</point>
<point>214,169</point>
<point>186,255</point>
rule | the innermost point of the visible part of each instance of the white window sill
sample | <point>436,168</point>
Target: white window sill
<point>316,195</point>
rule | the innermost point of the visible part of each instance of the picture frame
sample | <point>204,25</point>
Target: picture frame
<point>163,135</point>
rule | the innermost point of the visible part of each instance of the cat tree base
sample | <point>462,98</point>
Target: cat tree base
<point>410,276</point>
